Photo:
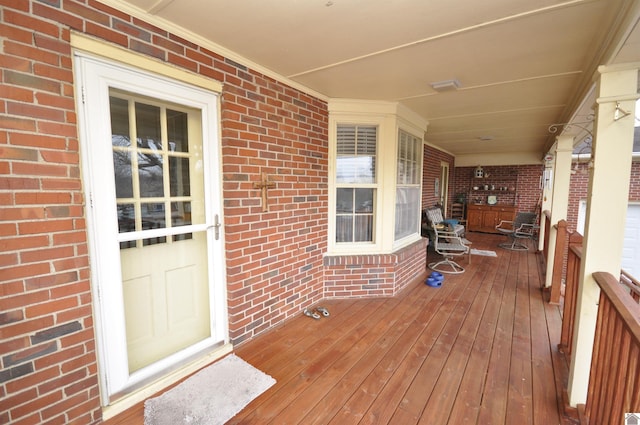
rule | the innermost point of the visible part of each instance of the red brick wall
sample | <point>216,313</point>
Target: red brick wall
<point>274,259</point>
<point>525,178</point>
<point>47,346</point>
<point>353,276</point>
<point>634,183</point>
<point>431,171</point>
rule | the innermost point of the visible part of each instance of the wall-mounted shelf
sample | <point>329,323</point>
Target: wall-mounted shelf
<point>504,184</point>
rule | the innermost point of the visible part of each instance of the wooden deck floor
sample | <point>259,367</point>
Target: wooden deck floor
<point>481,349</point>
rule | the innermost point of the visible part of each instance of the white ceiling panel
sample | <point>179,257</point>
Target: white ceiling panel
<point>523,64</point>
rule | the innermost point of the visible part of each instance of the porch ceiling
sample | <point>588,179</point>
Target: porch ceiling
<point>522,64</point>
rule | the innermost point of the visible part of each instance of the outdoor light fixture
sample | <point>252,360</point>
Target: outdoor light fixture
<point>446,85</point>
<point>619,112</point>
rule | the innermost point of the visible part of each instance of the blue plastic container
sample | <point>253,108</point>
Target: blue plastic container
<point>437,276</point>
<point>433,282</point>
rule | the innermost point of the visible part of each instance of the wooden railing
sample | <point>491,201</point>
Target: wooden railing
<point>632,284</point>
<point>614,383</point>
<point>574,258</point>
<point>560,250</point>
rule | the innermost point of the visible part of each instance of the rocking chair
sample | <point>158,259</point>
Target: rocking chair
<point>522,228</point>
<point>449,245</point>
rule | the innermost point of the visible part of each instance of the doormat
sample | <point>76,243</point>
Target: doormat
<point>483,252</point>
<point>212,396</point>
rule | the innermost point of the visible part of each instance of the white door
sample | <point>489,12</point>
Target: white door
<point>151,158</point>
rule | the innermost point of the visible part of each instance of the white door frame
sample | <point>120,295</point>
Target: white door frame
<point>95,76</point>
<point>444,186</point>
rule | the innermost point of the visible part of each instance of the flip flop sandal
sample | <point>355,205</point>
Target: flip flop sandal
<point>311,314</point>
<point>323,310</point>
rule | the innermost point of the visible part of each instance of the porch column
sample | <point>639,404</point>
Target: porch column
<point>607,200</point>
<point>547,192</point>
<point>559,196</point>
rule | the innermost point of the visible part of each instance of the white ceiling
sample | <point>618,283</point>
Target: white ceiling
<point>522,64</point>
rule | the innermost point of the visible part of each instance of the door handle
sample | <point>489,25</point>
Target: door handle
<point>216,226</point>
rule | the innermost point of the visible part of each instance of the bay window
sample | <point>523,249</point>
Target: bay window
<point>355,182</point>
<point>409,172</point>
<point>375,177</point>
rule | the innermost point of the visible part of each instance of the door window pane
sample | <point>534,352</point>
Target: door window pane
<point>179,176</point>
<point>123,173</point>
<point>177,131</point>
<point>180,214</point>
<point>158,184</point>
<point>150,175</point>
<point>148,126</point>
<point>120,140</point>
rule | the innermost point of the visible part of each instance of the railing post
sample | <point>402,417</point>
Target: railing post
<point>615,373</point>
<point>558,262</point>
<point>574,254</point>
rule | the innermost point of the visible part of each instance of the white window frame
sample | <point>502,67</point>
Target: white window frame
<point>417,148</point>
<point>372,185</point>
<point>390,118</point>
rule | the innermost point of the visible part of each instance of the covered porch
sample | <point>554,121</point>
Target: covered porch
<point>483,348</point>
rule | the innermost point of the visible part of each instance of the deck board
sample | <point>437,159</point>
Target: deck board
<point>481,349</point>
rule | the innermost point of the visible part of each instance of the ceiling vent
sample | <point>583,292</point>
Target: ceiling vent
<point>446,85</point>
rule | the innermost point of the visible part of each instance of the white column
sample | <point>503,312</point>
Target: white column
<point>559,196</point>
<point>606,211</point>
<point>547,192</point>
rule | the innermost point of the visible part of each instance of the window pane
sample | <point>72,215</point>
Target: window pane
<point>177,131</point>
<point>354,219</point>
<point>355,169</point>
<point>344,201</point>
<point>148,126</point>
<point>126,218</point>
<point>356,154</point>
<point>150,175</point>
<point>407,211</point>
<point>119,115</point>
<point>153,216</point>
<point>179,177</point>
<point>180,213</point>
<point>123,173</point>
<point>364,201</point>
<point>363,228</point>
<point>408,159</point>
<point>344,228</point>
<point>408,185</point>
<point>150,161</point>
